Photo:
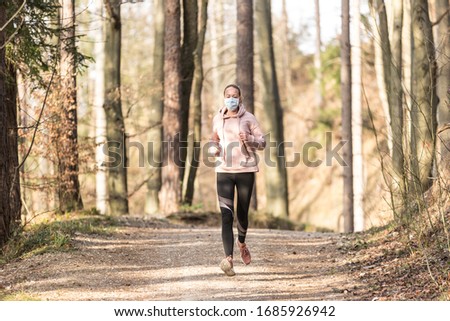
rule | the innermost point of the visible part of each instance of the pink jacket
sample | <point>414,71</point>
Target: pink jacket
<point>234,155</point>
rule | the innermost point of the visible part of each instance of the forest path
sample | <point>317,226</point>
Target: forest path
<point>151,262</point>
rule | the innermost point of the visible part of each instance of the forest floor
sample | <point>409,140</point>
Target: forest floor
<point>159,260</point>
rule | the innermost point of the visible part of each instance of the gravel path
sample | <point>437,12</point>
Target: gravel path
<point>181,263</point>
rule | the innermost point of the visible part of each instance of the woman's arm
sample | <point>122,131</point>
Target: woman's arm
<point>255,139</point>
<point>214,142</point>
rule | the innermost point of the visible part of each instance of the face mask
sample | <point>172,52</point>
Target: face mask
<point>231,103</point>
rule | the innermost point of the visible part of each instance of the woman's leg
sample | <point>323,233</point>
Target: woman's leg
<point>225,192</point>
<point>244,184</point>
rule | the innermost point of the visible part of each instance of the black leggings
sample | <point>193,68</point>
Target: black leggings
<point>226,182</point>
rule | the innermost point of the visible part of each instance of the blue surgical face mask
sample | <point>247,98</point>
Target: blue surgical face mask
<point>231,103</point>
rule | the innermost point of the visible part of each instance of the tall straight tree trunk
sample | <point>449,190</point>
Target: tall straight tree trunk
<point>197,103</point>
<point>244,52</point>
<point>217,43</point>
<point>383,31</point>
<point>10,203</point>
<point>15,203</point>
<point>244,63</point>
<point>286,61</point>
<point>389,8</point>
<point>276,177</point>
<point>115,125</point>
<point>99,112</point>
<point>317,57</point>
<point>396,104</point>
<point>190,18</point>
<point>424,105</point>
<point>392,58</point>
<point>69,186</point>
<point>443,81</point>
<point>5,184</point>
<point>358,165</point>
<point>379,73</point>
<point>156,111</point>
<point>346,93</point>
<point>170,195</point>
<point>406,79</point>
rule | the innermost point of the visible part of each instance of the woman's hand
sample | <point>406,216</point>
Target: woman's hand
<point>214,151</point>
<point>244,137</point>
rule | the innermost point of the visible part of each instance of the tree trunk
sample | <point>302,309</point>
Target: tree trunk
<point>276,178</point>
<point>244,52</point>
<point>396,104</point>
<point>156,111</point>
<point>443,82</point>
<point>190,18</point>
<point>424,106</point>
<point>285,56</point>
<point>5,211</point>
<point>99,112</point>
<point>115,126</point>
<point>383,32</point>
<point>406,80</point>
<point>69,186</point>
<point>389,9</point>
<point>170,195</point>
<point>317,58</point>
<point>392,58</point>
<point>197,103</point>
<point>15,203</point>
<point>217,41</point>
<point>358,165</point>
<point>346,92</point>
<point>379,73</point>
<point>244,63</point>
<point>10,203</point>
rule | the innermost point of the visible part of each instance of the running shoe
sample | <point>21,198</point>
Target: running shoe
<point>245,253</point>
<point>227,266</point>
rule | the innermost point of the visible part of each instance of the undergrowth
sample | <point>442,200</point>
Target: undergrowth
<point>264,220</point>
<point>409,259</point>
<point>53,234</point>
<point>257,219</point>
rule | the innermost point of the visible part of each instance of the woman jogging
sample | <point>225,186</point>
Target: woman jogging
<point>236,136</point>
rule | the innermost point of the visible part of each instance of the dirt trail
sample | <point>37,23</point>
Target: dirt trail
<point>181,263</point>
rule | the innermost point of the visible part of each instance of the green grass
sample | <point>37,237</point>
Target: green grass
<point>54,234</point>
<point>191,208</point>
<point>17,296</point>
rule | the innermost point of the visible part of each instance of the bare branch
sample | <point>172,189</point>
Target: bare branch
<point>440,130</point>
<point>443,128</point>
<point>38,121</point>
<point>13,34</point>
<point>138,187</point>
<point>13,16</point>
<point>438,21</point>
<point>145,129</point>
